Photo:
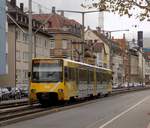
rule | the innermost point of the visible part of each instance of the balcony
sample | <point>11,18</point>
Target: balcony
<point>89,60</point>
<point>60,53</point>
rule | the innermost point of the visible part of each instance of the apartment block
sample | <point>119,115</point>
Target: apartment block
<point>18,46</point>
<point>66,41</point>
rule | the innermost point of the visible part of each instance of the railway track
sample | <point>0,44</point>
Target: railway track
<point>13,104</point>
<point>18,112</point>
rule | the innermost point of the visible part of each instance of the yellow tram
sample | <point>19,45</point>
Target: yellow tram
<point>54,80</point>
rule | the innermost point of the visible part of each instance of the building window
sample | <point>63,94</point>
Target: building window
<point>18,57</point>
<point>25,56</point>
<point>18,35</point>
<point>64,44</point>
<point>25,37</point>
<point>46,44</point>
<point>25,74</point>
<point>18,74</point>
<point>52,44</point>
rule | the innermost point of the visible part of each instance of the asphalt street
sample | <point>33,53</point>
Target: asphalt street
<point>130,110</point>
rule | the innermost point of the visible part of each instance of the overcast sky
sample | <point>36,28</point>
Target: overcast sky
<point>111,21</point>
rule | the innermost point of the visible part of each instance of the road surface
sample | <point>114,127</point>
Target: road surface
<point>130,110</point>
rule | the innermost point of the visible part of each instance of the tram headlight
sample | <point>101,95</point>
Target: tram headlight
<point>33,90</point>
<point>60,90</point>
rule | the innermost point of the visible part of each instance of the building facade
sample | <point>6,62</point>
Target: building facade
<point>147,73</point>
<point>99,45</point>
<point>137,66</point>
<point>3,35</point>
<point>66,41</point>
<point>120,60</point>
<point>18,46</point>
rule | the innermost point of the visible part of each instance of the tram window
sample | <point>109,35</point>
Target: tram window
<point>77,76</point>
<point>66,74</point>
<point>98,77</point>
<point>105,78</point>
<point>91,74</point>
<point>83,75</point>
<point>71,73</point>
<point>88,76</point>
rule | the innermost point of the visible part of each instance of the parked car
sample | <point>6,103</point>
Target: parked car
<point>15,93</point>
<point>1,94</point>
<point>115,85</point>
<point>5,94</point>
<point>130,84</point>
<point>124,85</point>
<point>24,91</point>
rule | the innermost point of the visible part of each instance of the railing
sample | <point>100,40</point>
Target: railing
<point>60,52</point>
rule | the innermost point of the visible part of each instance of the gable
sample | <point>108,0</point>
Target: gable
<point>90,35</point>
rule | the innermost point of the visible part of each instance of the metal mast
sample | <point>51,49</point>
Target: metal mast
<point>30,44</point>
<point>30,36</point>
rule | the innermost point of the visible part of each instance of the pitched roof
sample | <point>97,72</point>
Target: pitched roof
<point>14,9</point>
<point>56,20</point>
<point>101,36</point>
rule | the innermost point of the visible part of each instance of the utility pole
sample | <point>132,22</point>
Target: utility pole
<point>30,37</point>
<point>83,14</point>
<point>30,45</point>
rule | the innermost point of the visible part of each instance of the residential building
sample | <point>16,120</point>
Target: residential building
<point>146,50</point>
<point>137,66</point>
<point>147,65</point>
<point>18,45</point>
<point>117,63</point>
<point>147,72</point>
<point>123,56</point>
<point>98,47</point>
<point>66,41</point>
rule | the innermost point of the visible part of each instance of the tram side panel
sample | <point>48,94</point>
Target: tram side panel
<point>103,82</point>
<point>82,83</point>
<point>70,82</point>
<point>91,82</point>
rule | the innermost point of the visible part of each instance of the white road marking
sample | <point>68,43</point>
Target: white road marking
<point>92,125</point>
<point>124,112</point>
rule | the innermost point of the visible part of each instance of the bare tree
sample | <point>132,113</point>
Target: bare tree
<point>122,7</point>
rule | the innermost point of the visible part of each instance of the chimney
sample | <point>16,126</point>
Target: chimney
<point>53,10</point>
<point>88,27</point>
<point>98,29</point>
<point>22,7</point>
<point>62,13</point>
<point>13,3</point>
<point>124,36</point>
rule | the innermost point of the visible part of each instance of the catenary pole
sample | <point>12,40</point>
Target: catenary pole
<point>30,36</point>
<point>30,42</point>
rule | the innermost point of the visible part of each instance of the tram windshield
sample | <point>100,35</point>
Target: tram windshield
<point>46,71</point>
